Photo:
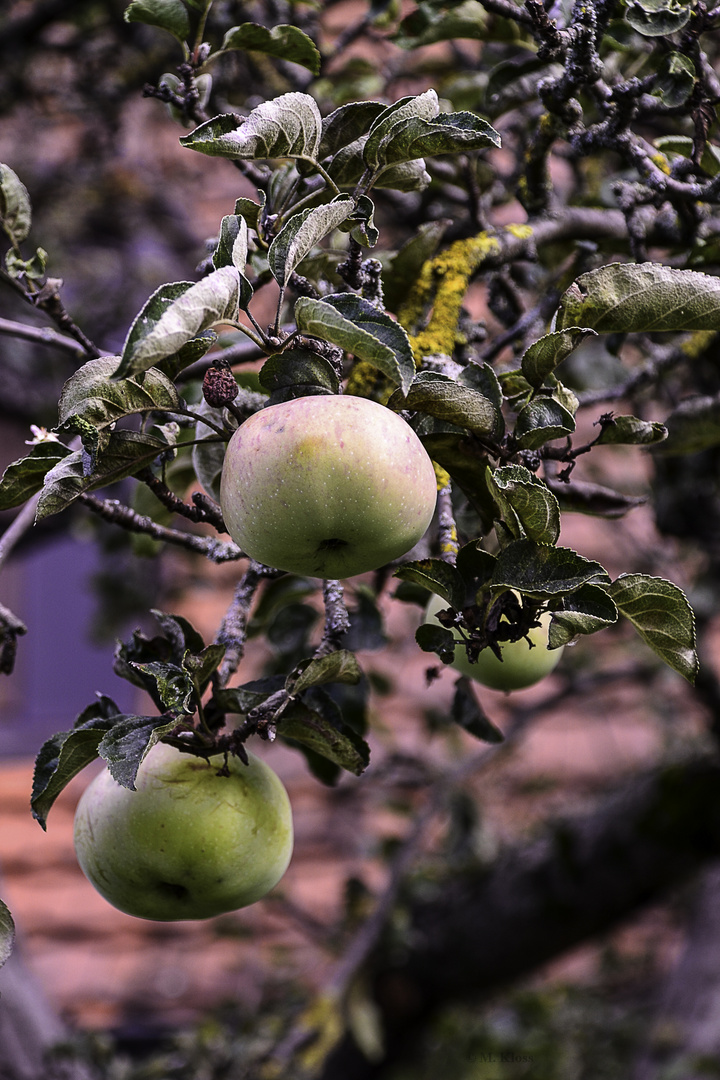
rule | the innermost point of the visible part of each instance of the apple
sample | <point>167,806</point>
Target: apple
<point>188,843</point>
<point>327,486</point>
<point>520,666</point>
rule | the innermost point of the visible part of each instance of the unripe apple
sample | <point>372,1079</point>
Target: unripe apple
<point>326,485</point>
<point>521,665</point>
<point>188,843</point>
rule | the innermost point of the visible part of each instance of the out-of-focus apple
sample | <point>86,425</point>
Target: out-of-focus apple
<point>521,664</point>
<point>327,486</point>
<point>188,843</point>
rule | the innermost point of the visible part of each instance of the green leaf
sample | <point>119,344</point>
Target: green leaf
<point>232,247</point>
<point>426,24</point>
<point>414,138</point>
<point>449,400</point>
<point>64,755</point>
<point>99,400</point>
<point>547,352</point>
<point>284,41</point>
<point>358,327</point>
<point>340,666</point>
<point>169,15</point>
<point>302,233</point>
<point>15,209</point>
<point>423,106</point>
<point>692,427</point>
<point>436,639</point>
<point>286,127</point>
<point>347,124</point>
<point>24,477</point>
<point>543,571</point>
<point>127,743</point>
<point>584,497</point>
<point>299,368</point>
<point>174,687</point>
<point>683,145</point>
<point>641,298</point>
<point>586,611</point>
<point>656,18</point>
<point>175,314</point>
<point>676,79</point>
<point>126,453</point>
<point>540,421</point>
<point>663,618</point>
<point>630,431</point>
<point>528,507</point>
<point>188,354</point>
<point>331,739</point>
<point>7,933</point>
<point>362,220</point>
<point>438,576</point>
<point>250,210</point>
<point>467,712</point>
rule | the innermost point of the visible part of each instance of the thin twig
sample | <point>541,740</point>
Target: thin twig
<point>45,335</point>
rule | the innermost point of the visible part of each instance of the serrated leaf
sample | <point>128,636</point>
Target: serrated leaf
<point>543,571</point>
<point>284,41</point>
<point>242,699</point>
<point>676,79</point>
<point>528,506</point>
<point>299,368</point>
<point>630,431</point>
<point>286,127</point>
<point>250,210</point>
<point>188,354</point>
<point>426,24</point>
<point>24,477</point>
<point>657,18</point>
<point>438,576</point>
<point>471,717</point>
<point>180,633</point>
<point>125,454</point>
<point>340,666</point>
<point>332,740</point>
<point>540,421</point>
<point>437,639</point>
<point>64,755</point>
<point>423,106</point>
<point>586,611</point>
<point>169,15</point>
<point>414,138</point>
<point>358,327</point>
<point>175,314</point>
<point>347,124</point>
<point>460,405</point>
<point>692,427</point>
<point>127,743</point>
<point>547,352</point>
<point>641,298</point>
<point>7,933</point>
<point>362,221</point>
<point>302,233</point>
<point>15,208</point>
<point>99,400</point>
<point>663,618</point>
<point>174,687</point>
<point>584,497</point>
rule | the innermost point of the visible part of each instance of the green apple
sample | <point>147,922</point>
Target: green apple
<point>327,486</point>
<point>188,843</point>
<point>521,664</point>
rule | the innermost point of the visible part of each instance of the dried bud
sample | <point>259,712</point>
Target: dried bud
<point>219,386</point>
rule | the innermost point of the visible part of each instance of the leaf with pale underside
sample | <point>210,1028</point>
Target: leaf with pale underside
<point>302,233</point>
<point>289,126</point>
<point>449,400</point>
<point>340,666</point>
<point>15,208</point>
<point>423,107</point>
<point>586,611</point>
<point>175,314</point>
<point>663,618</point>
<point>641,298</point>
<point>7,933</point>
<point>24,478</point>
<point>358,327</point>
<point>438,576</point>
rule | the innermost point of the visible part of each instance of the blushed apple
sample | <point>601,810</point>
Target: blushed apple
<point>327,486</point>
<point>521,664</point>
<point>188,843</point>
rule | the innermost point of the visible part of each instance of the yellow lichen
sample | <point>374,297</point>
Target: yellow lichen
<point>697,343</point>
<point>441,286</point>
<point>521,232</point>
<point>442,476</point>
<point>662,163</point>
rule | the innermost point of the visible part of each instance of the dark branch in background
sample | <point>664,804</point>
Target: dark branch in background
<point>43,335</point>
<point>48,300</point>
<point>204,511</point>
